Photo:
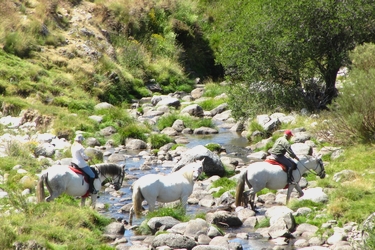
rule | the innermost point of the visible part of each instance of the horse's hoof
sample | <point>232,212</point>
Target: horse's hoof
<point>301,194</point>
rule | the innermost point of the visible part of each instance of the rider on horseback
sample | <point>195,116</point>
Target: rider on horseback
<point>278,151</point>
<point>80,158</point>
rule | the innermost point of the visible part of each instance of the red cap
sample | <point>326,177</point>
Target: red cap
<point>288,132</point>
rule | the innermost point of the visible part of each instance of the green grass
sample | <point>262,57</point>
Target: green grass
<point>210,104</point>
<point>213,147</point>
<point>190,122</point>
<point>225,185</point>
<point>159,140</point>
<point>352,199</point>
<point>212,89</point>
<point>53,225</point>
<point>266,191</point>
<point>263,223</point>
<point>176,212</point>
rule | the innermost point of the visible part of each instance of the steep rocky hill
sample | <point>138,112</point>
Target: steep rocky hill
<point>110,50</point>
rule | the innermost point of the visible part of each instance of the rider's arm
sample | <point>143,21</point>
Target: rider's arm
<point>84,156</point>
<point>290,151</point>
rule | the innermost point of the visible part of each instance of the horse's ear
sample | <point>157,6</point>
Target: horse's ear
<point>319,156</point>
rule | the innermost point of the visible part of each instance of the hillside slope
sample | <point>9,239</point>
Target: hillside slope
<point>86,52</point>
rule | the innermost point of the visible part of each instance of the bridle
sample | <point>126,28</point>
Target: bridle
<point>120,178</point>
<point>199,170</point>
<point>320,164</point>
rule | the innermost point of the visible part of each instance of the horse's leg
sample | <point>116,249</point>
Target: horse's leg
<point>151,204</point>
<point>131,212</point>
<point>83,201</point>
<point>299,190</point>
<point>290,190</point>
<point>245,198</point>
<point>252,200</point>
<point>55,189</point>
<point>94,197</point>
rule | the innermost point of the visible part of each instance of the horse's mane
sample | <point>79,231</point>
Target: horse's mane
<point>187,171</point>
<point>109,169</point>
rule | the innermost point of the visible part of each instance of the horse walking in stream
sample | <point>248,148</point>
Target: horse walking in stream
<point>61,179</point>
<point>261,175</point>
<point>175,186</point>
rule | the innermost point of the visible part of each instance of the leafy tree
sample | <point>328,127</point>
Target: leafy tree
<point>353,110</point>
<point>299,44</point>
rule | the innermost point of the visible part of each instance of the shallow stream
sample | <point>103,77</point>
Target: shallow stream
<point>233,143</point>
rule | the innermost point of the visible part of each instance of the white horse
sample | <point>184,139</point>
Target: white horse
<point>261,175</point>
<point>61,179</point>
<point>175,186</point>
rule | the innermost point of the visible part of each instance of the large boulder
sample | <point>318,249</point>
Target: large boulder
<point>212,164</point>
<point>174,241</point>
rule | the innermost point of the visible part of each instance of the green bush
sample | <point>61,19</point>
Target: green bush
<point>132,131</point>
<point>19,44</point>
<point>159,140</point>
<point>167,120</point>
<point>354,119</point>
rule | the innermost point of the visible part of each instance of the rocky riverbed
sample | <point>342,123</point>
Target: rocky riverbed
<point>238,224</point>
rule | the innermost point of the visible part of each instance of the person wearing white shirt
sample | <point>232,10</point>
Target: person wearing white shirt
<point>80,158</point>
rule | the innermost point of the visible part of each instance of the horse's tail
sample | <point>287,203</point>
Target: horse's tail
<point>41,195</point>
<point>240,188</point>
<point>137,201</point>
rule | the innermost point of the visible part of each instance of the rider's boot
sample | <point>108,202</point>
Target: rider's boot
<point>92,189</point>
<point>290,176</point>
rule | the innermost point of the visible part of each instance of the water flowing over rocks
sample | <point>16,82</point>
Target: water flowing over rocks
<point>238,225</point>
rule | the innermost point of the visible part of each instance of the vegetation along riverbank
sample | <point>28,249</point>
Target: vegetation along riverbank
<point>61,60</point>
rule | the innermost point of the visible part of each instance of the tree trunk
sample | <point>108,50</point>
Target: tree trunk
<point>330,92</point>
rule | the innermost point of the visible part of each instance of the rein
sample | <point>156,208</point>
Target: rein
<point>121,176</point>
<point>314,170</point>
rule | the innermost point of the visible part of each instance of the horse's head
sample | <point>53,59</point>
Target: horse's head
<point>197,169</point>
<point>112,173</point>
<point>322,172</point>
<point>314,165</point>
<point>119,178</point>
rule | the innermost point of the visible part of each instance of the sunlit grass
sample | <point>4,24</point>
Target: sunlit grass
<point>159,140</point>
<point>210,104</point>
<point>353,198</point>
<point>225,185</point>
<point>212,89</point>
<point>62,226</point>
<point>189,122</point>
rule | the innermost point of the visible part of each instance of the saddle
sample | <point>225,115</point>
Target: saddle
<point>78,170</point>
<point>274,162</point>
<point>74,167</point>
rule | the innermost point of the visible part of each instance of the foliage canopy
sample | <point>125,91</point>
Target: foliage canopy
<point>296,45</point>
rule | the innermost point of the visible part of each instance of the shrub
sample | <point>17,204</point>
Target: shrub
<point>18,44</point>
<point>132,131</point>
<point>354,119</point>
<point>159,140</point>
